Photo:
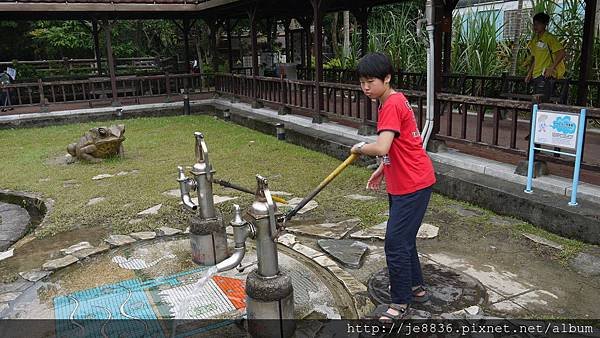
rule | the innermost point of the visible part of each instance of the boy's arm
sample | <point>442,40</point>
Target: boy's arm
<point>560,55</point>
<point>530,71</point>
<point>380,147</point>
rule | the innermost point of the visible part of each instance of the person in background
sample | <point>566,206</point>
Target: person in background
<point>547,58</point>
<point>4,92</point>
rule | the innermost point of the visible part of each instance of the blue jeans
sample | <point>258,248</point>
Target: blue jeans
<point>406,215</point>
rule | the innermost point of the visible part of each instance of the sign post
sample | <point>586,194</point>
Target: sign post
<point>557,129</point>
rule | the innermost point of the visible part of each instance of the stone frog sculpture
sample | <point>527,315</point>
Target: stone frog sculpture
<point>99,143</point>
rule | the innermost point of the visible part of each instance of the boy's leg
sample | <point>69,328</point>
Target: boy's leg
<point>398,248</point>
<point>419,209</point>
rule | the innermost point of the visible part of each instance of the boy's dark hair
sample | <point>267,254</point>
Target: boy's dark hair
<point>542,18</point>
<point>376,65</point>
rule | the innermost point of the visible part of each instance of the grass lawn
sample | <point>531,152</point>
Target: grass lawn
<point>33,161</point>
<point>153,149</point>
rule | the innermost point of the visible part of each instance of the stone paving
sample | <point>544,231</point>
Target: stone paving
<point>345,252</point>
<point>491,289</point>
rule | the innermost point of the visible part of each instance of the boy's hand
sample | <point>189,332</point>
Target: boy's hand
<point>356,149</point>
<point>375,181</point>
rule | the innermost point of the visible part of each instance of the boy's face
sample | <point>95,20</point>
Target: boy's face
<point>374,87</point>
<point>539,27</point>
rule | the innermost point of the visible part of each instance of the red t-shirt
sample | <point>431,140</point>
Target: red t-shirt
<point>408,169</point>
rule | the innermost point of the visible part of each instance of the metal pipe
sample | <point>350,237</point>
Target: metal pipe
<point>241,231</point>
<point>232,261</point>
<point>227,184</point>
<point>185,186</point>
<point>202,171</point>
<point>262,216</point>
<point>430,75</point>
<point>322,185</point>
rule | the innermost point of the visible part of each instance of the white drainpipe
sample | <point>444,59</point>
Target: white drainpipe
<point>428,127</point>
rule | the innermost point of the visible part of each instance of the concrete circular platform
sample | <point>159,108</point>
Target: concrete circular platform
<point>13,224</point>
<point>146,281</point>
<point>450,290</point>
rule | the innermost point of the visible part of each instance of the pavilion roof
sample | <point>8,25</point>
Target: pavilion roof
<point>173,9</point>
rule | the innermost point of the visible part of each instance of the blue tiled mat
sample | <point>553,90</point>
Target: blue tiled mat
<point>115,310</point>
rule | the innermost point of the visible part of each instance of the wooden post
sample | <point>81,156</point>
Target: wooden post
<point>43,106</point>
<point>252,16</point>
<point>186,44</point>
<point>95,33</point>
<point>318,24</point>
<point>229,45</point>
<point>362,17</point>
<point>288,45</point>
<point>586,51</point>
<point>111,63</point>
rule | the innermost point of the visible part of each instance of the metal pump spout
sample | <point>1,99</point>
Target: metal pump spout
<point>241,231</point>
<point>186,185</point>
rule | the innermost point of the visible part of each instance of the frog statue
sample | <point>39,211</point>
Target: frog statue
<point>99,143</point>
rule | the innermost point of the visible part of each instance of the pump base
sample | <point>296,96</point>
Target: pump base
<point>270,298</point>
<point>208,240</point>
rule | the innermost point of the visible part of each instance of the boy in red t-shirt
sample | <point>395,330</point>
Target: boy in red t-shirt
<point>409,176</point>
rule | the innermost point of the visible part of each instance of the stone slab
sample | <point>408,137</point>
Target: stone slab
<point>358,197</point>
<point>281,193</point>
<point>34,275</point>
<point>101,177</point>
<point>586,264</point>
<point>507,306</point>
<point>19,285</point>
<point>287,239</point>
<point>346,251</point>
<point>151,211</point>
<point>176,193</point>
<point>59,263</point>
<point>292,203</point>
<point>95,200</point>
<point>537,301</point>
<point>374,232</point>
<point>166,231</point>
<point>9,296</point>
<point>7,254</point>
<point>326,230</point>
<point>91,251</point>
<point>76,247</point>
<point>324,261</point>
<point>222,199</point>
<point>143,235</point>
<point>427,231</point>
<point>118,240</point>
<point>543,241</point>
<point>307,251</point>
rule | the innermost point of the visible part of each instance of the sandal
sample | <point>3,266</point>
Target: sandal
<point>390,318</point>
<point>421,299</point>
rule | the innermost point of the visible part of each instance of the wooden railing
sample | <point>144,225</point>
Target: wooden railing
<point>505,86</point>
<point>95,89</point>
<point>62,67</point>
<point>501,124</point>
